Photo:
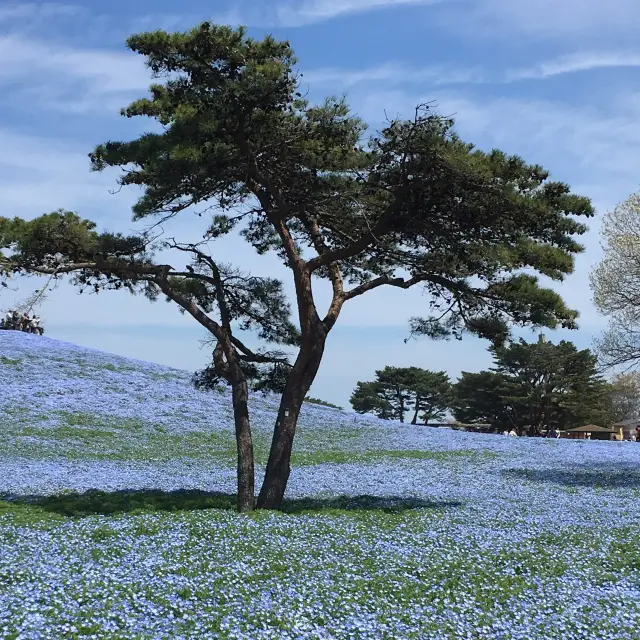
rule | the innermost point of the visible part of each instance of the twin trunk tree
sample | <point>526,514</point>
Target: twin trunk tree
<point>415,206</point>
<point>397,390</point>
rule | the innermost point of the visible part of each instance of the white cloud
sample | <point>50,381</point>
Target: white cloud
<point>502,18</point>
<point>38,175</point>
<point>546,18</point>
<point>577,62</point>
<point>389,74</point>
<point>577,142</point>
<point>185,20</point>
<point>392,74</point>
<point>68,78</point>
<point>295,14</point>
<point>37,11</point>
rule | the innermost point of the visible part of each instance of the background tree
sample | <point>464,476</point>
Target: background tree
<point>623,396</point>
<point>396,381</point>
<point>431,394</point>
<point>416,206</point>
<point>374,397</point>
<point>533,387</point>
<point>389,396</point>
<point>478,398</point>
<point>397,390</point>
<point>615,283</point>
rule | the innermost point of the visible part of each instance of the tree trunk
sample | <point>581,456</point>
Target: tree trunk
<point>231,371</point>
<point>244,445</point>
<point>298,384</point>
<point>414,420</point>
<point>427,413</point>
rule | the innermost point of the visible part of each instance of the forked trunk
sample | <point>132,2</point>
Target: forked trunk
<point>244,445</point>
<point>279,464</point>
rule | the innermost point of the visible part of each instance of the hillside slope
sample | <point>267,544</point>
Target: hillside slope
<point>85,409</point>
<point>439,535</point>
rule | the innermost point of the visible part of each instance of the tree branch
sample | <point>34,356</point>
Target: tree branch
<point>355,247</point>
<point>382,280</point>
<point>215,279</point>
<point>191,308</point>
<point>250,356</point>
<point>121,268</point>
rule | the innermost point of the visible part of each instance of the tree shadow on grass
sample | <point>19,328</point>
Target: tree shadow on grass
<point>136,501</point>
<point>593,476</point>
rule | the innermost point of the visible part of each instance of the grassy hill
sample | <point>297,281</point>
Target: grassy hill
<point>116,520</point>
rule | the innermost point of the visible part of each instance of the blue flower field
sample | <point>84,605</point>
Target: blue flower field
<point>117,520</point>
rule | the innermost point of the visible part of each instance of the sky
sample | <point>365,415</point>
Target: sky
<point>555,82</point>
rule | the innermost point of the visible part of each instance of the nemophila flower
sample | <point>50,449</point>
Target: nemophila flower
<point>459,536</point>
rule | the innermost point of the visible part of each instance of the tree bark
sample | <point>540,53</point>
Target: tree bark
<point>230,370</point>
<point>244,446</point>
<point>414,420</point>
<point>300,379</point>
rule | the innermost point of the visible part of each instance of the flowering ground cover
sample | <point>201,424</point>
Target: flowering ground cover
<point>116,519</point>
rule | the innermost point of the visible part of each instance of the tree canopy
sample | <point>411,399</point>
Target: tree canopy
<point>533,387</point>
<point>623,398</point>
<point>410,205</point>
<point>615,282</point>
<point>397,390</point>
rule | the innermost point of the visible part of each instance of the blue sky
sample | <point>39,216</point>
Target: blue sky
<point>555,81</point>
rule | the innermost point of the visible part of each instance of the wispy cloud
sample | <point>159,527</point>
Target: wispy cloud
<point>29,11</point>
<point>294,14</point>
<point>39,174</point>
<point>577,62</point>
<point>235,15</point>
<point>395,73</point>
<point>76,79</point>
<point>546,18</point>
<point>391,73</point>
<point>584,142</point>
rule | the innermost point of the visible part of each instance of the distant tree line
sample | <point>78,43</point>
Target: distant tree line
<point>532,388</point>
<point>322,403</point>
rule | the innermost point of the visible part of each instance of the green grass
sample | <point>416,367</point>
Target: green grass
<point>90,436</point>
<point>339,456</point>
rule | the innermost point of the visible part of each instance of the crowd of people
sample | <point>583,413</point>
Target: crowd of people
<point>16,321</point>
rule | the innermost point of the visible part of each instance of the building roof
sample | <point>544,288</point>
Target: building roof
<point>591,428</point>
<point>628,423</point>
